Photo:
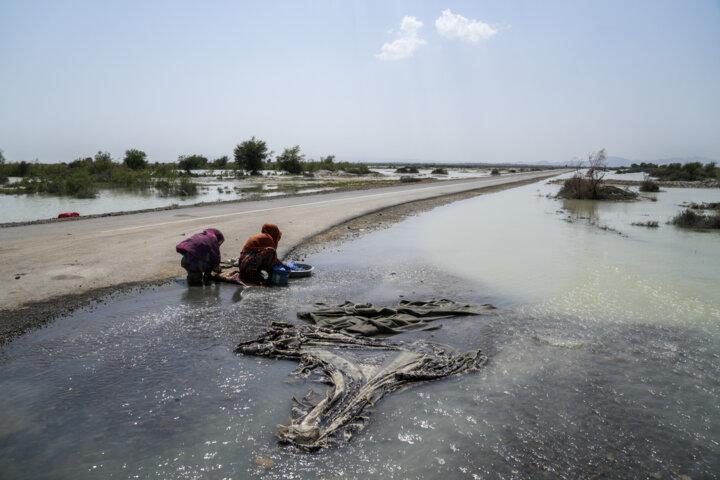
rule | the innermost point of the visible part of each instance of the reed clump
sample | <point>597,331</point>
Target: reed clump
<point>648,224</point>
<point>689,218</point>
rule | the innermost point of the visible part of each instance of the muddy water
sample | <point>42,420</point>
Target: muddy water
<point>604,359</point>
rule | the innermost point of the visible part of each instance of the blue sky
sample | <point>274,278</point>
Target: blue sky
<point>441,81</point>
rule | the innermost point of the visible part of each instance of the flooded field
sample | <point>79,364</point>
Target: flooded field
<point>213,186</point>
<point>604,357</point>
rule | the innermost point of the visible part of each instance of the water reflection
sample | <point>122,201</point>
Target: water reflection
<point>582,209</point>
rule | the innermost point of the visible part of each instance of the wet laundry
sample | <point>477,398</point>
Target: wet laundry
<point>368,320</point>
<point>358,370</point>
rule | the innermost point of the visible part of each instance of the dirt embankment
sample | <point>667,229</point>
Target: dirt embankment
<point>14,323</point>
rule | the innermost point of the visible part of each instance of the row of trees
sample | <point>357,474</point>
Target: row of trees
<point>253,155</point>
<point>84,176</point>
<point>691,171</point>
<point>134,170</point>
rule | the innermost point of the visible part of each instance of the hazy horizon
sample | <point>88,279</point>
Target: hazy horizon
<point>414,81</point>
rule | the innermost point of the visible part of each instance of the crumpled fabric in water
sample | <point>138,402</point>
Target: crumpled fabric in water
<point>368,320</point>
<point>359,371</point>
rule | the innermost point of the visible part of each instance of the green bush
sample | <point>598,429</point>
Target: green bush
<point>220,163</point>
<point>192,162</point>
<point>186,188</point>
<point>80,185</point>
<point>135,159</point>
<point>291,160</point>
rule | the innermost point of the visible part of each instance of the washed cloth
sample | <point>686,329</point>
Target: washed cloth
<point>201,252</point>
<point>359,371</point>
<point>231,275</point>
<point>368,320</point>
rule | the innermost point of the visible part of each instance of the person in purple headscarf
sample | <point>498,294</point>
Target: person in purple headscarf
<point>201,255</point>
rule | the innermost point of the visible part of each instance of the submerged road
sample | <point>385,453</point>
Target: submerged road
<point>42,261</point>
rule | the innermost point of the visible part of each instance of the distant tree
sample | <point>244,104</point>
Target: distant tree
<point>596,172</point>
<point>290,160</point>
<point>250,155</point>
<point>135,159</point>
<point>191,162</point>
<point>81,162</point>
<point>103,157</point>
<point>710,168</point>
<point>2,157</point>
<point>327,160</point>
<point>220,162</point>
<point>23,169</point>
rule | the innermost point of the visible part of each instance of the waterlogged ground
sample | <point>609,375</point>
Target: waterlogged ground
<point>604,359</point>
<point>213,186</point>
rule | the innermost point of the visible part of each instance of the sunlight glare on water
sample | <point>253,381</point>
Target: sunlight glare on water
<point>550,254</point>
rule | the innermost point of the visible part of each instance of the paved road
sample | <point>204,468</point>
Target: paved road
<point>42,261</point>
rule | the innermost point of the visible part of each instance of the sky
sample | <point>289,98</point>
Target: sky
<point>426,81</point>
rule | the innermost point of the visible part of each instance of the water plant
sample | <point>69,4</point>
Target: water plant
<point>689,218</point>
<point>187,188</point>
<point>649,224</point>
<point>705,206</point>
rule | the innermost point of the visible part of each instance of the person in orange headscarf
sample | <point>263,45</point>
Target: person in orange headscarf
<point>260,255</point>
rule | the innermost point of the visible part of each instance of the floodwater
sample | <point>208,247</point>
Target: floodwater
<point>39,206</point>
<point>213,186</point>
<point>604,358</point>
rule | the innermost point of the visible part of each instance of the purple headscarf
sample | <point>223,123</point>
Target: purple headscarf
<point>203,246</point>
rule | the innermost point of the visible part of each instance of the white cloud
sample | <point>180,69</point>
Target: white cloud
<point>453,25</point>
<point>406,43</point>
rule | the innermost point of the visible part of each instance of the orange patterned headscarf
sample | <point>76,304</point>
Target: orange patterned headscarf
<point>270,237</point>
